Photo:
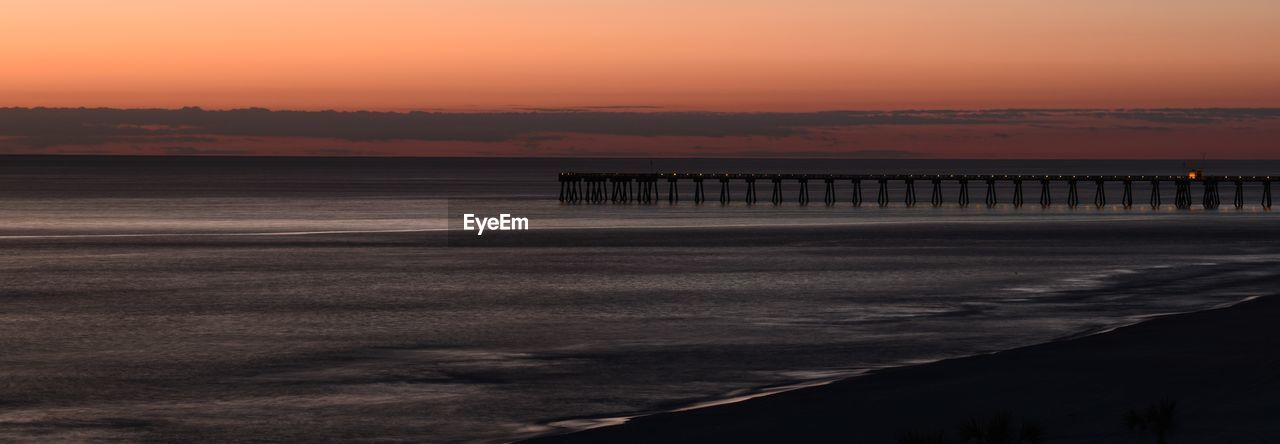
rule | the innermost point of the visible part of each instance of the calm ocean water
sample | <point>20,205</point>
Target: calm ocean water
<point>319,299</point>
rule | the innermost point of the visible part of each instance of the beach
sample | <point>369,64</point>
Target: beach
<point>1220,366</point>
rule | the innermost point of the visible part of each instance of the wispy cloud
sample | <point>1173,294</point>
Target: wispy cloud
<point>41,127</point>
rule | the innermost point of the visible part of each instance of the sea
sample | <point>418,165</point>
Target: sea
<point>341,299</point>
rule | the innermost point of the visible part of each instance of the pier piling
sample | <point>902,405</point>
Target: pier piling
<point>882,197</point>
<point>1100,195</point>
<point>1017,193</point>
<point>804,191</point>
<point>1127,199</point>
<point>1073,193</point>
<point>1182,199</point>
<point>1211,200</point>
<point>857,192</point>
<point>1239,195</point>
<point>829,191</point>
<point>1155,194</point>
<point>1266,194</point>
<point>910,192</point>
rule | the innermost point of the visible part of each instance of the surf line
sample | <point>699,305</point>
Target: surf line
<point>265,233</point>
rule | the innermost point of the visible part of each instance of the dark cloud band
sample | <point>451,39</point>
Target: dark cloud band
<point>45,127</point>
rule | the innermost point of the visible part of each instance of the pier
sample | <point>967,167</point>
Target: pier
<point>599,188</point>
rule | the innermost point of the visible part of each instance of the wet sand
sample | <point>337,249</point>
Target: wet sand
<point>1221,366</point>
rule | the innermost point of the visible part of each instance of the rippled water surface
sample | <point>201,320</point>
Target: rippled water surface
<point>303,299</point>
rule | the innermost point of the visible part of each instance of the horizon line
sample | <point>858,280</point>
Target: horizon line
<point>389,157</point>
<point>636,109</point>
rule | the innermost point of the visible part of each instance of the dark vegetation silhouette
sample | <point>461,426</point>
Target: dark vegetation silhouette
<point>1159,419</point>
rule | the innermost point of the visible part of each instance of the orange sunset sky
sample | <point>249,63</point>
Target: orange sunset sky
<point>691,54</point>
<point>654,55</point>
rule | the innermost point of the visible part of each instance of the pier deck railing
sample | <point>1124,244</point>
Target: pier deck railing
<point>578,187</point>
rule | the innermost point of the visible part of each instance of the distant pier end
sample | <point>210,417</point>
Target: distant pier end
<point>644,187</point>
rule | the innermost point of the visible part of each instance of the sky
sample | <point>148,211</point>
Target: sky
<point>592,56</point>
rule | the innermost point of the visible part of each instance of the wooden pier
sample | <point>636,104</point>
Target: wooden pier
<point>644,188</point>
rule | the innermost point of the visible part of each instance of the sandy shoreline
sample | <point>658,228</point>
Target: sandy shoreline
<point>1221,366</point>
